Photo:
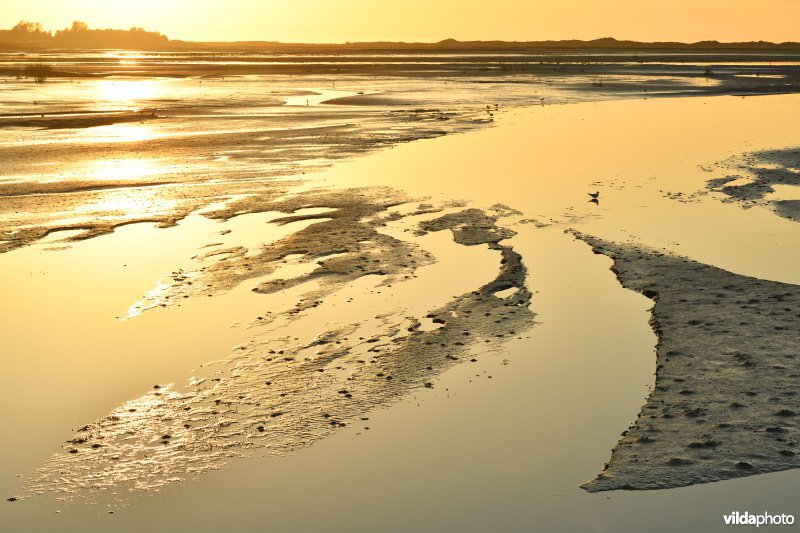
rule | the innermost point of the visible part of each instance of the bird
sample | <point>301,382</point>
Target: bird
<point>594,195</point>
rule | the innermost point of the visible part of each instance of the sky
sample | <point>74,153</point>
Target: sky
<point>425,20</point>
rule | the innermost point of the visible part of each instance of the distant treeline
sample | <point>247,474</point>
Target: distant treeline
<point>30,35</point>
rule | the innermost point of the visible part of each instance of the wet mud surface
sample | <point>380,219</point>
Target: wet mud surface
<point>118,140</point>
<point>754,177</point>
<point>342,242</point>
<point>725,403</point>
<point>286,389</point>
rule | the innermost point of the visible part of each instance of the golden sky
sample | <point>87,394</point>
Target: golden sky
<point>425,20</point>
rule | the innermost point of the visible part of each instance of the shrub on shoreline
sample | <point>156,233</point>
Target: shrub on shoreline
<point>38,71</point>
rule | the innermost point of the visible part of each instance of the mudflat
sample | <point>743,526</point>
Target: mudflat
<point>259,266</point>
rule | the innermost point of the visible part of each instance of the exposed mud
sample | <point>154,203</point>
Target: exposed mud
<point>754,177</point>
<point>74,120</point>
<point>30,212</point>
<point>285,393</point>
<point>725,403</point>
<point>342,241</point>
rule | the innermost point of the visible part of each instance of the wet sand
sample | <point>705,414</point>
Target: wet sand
<point>511,405</point>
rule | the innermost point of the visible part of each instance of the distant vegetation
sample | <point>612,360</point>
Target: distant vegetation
<point>38,71</point>
<point>79,35</point>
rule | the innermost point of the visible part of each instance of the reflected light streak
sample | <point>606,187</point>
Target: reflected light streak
<point>123,169</point>
<point>152,298</point>
<point>124,133</point>
<point>127,91</point>
<point>131,204</point>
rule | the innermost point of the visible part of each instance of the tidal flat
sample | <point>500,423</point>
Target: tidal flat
<point>386,293</point>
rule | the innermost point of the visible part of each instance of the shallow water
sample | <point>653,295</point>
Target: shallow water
<point>650,160</point>
<point>126,137</point>
<point>505,452</point>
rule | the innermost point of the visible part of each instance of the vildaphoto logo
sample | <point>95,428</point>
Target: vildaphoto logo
<point>764,519</point>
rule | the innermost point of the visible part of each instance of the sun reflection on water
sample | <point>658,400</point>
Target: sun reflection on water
<point>131,204</point>
<point>152,298</point>
<point>127,90</point>
<point>123,133</point>
<point>124,169</point>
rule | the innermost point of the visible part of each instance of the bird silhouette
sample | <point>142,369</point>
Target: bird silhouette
<point>595,201</point>
<point>594,195</point>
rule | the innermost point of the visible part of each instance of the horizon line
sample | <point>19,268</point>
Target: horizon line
<point>444,41</point>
